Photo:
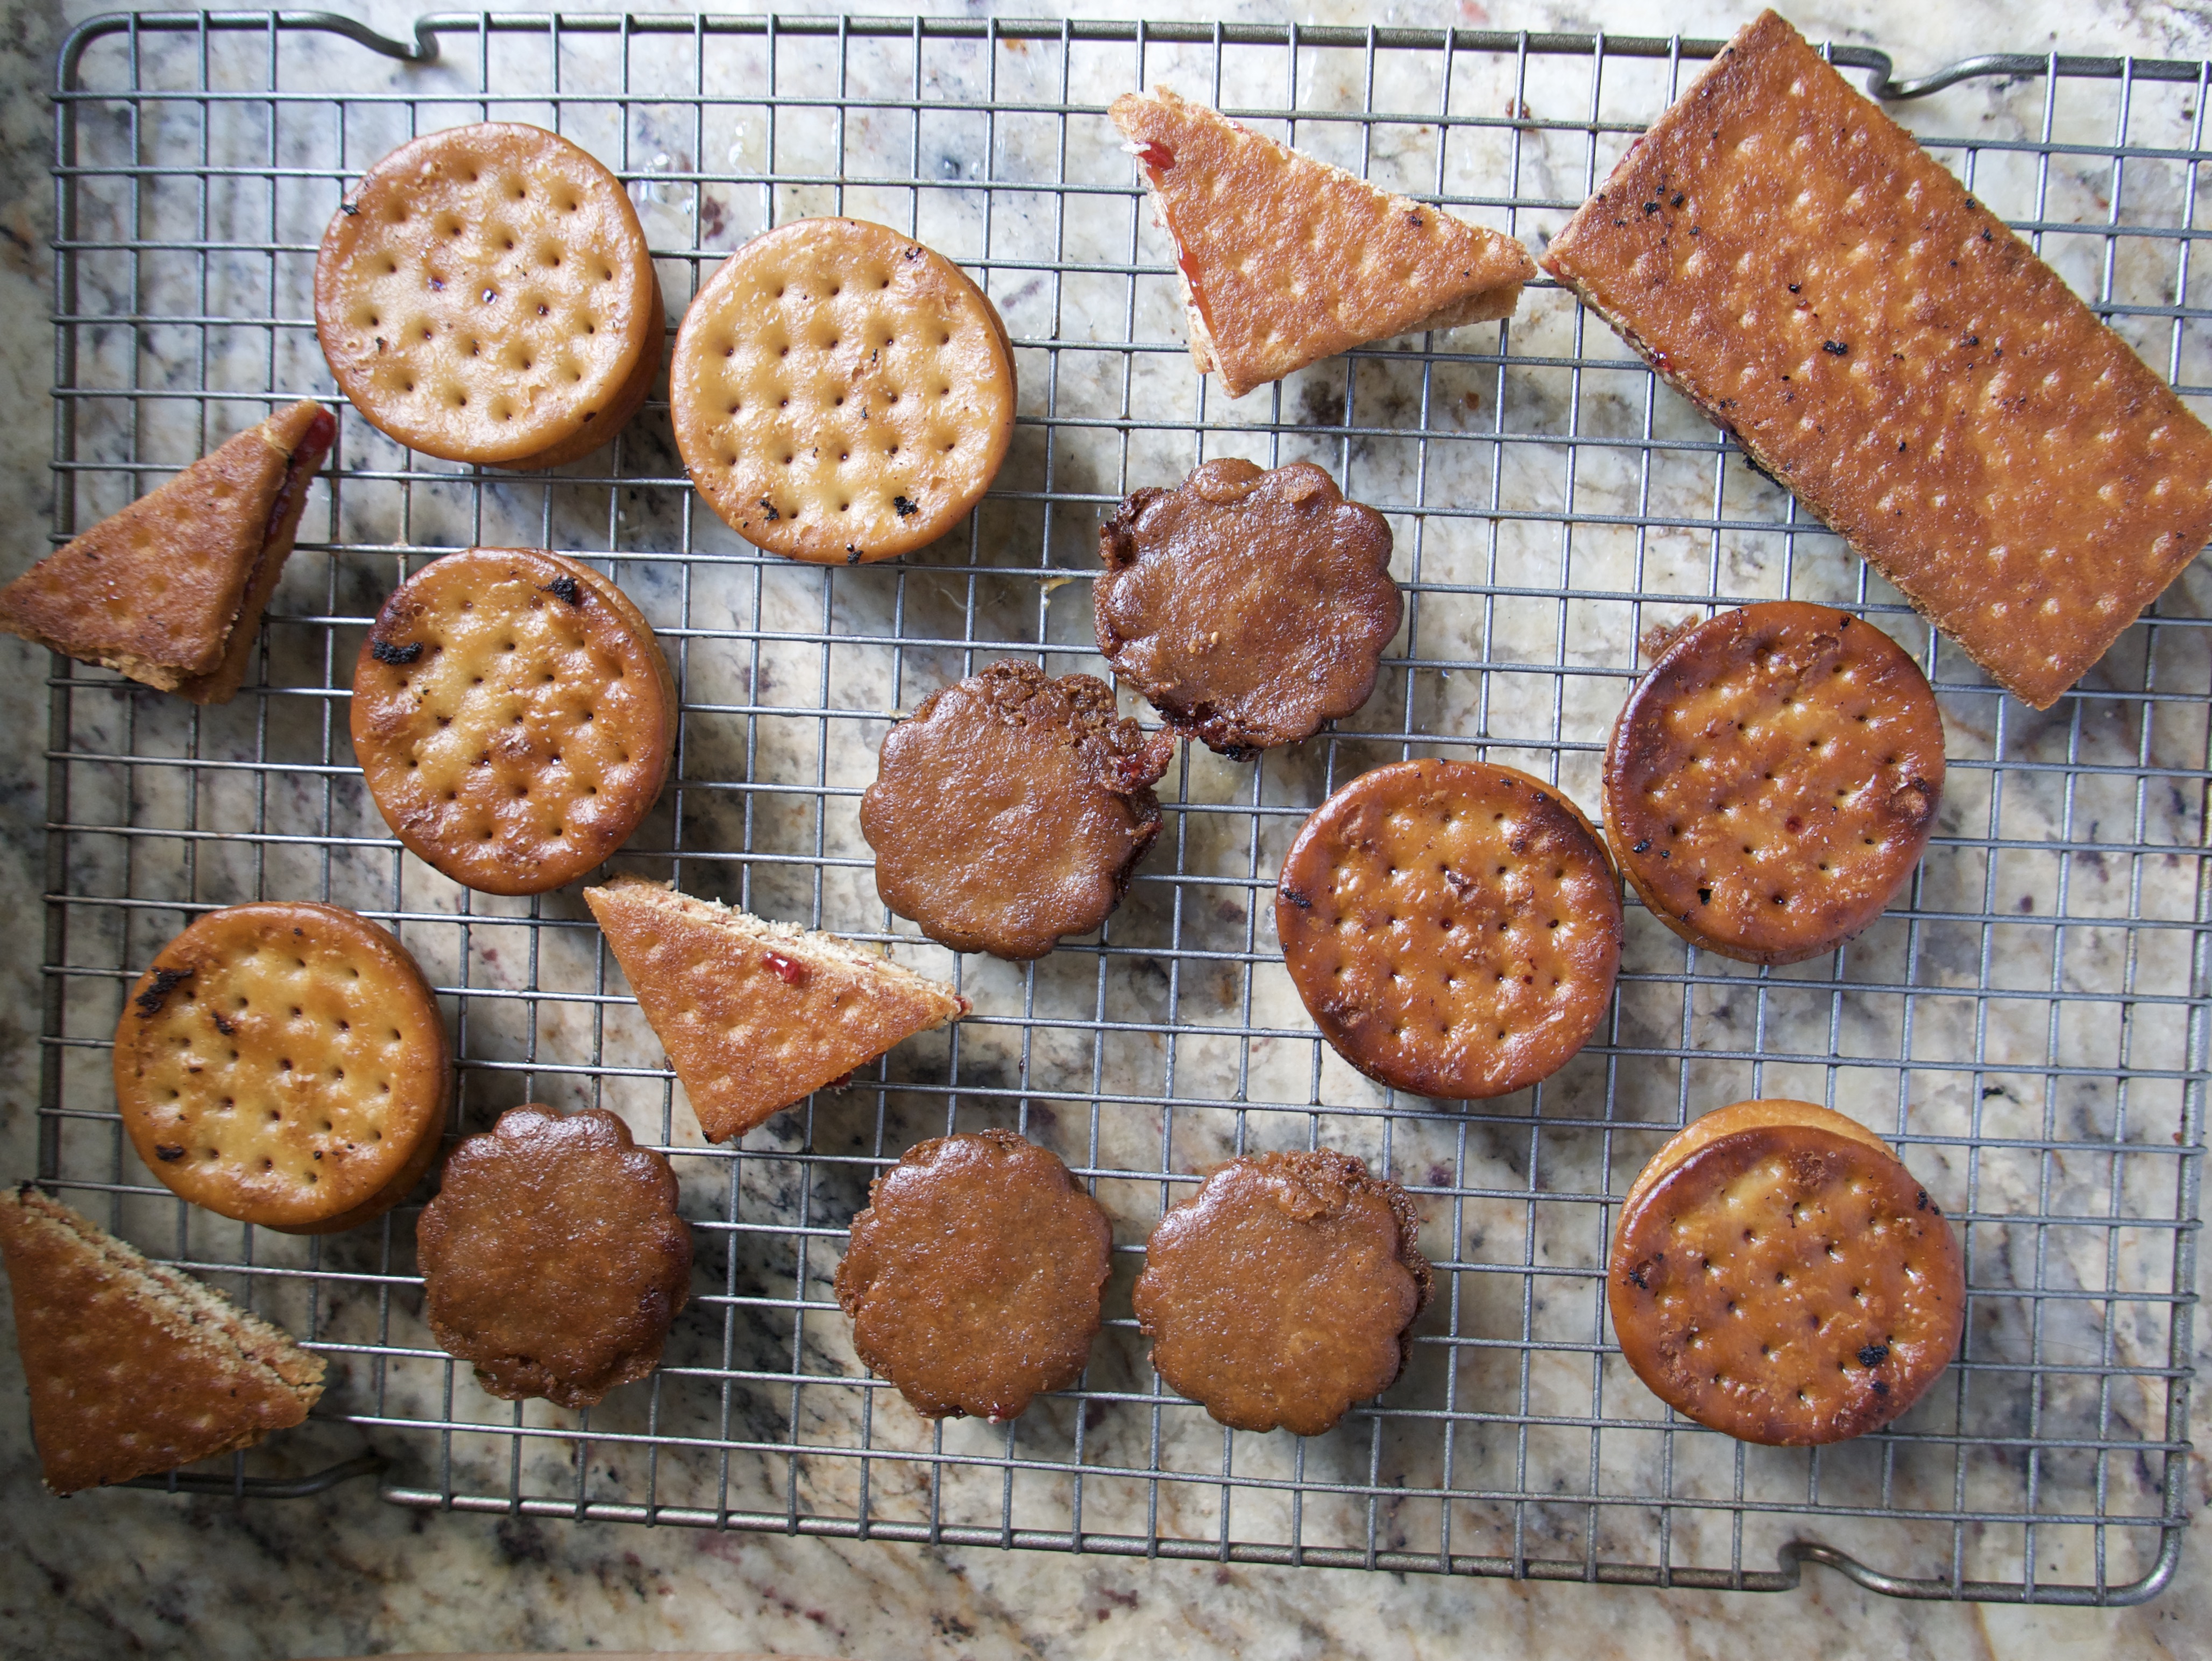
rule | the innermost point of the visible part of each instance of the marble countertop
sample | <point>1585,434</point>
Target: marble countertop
<point>123,1573</point>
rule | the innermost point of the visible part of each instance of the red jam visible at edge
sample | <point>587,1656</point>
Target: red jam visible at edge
<point>314,443</point>
<point>1154,155</point>
<point>788,970</point>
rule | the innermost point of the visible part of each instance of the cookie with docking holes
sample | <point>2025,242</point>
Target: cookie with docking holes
<point>513,715</point>
<point>1770,782</point>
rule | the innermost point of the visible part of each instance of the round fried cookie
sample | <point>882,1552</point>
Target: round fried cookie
<point>513,715</point>
<point>1010,809</point>
<point>840,393</point>
<point>284,1064</point>
<point>486,295</point>
<point>974,1275</point>
<point>1779,1275</point>
<point>1771,781</point>
<point>1248,607</point>
<point>552,1256</point>
<point>1453,929</point>
<point>1283,1290</point>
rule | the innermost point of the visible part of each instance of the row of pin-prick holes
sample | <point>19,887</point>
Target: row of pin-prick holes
<point>733,1173</point>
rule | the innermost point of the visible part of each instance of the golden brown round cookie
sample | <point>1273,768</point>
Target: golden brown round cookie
<point>840,393</point>
<point>1248,607</point>
<point>1453,929</point>
<point>1772,782</point>
<point>284,1064</point>
<point>513,715</point>
<point>486,295</point>
<point>1283,1290</point>
<point>1779,1275</point>
<point>974,1275</point>
<point>1010,809</point>
<point>552,1256</point>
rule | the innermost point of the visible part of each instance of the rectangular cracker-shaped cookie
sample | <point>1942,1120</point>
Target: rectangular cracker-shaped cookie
<point>1791,260</point>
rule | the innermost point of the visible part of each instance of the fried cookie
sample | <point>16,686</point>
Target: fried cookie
<point>1010,811</point>
<point>552,1256</point>
<point>1885,347</point>
<point>513,715</point>
<point>755,1015</point>
<point>1248,607</point>
<point>1283,1290</point>
<point>486,295</point>
<point>1779,1275</point>
<point>132,1366</point>
<point>1285,260</point>
<point>170,591</point>
<point>1453,929</point>
<point>1770,785</point>
<point>840,393</point>
<point>974,1275</point>
<point>283,1063</point>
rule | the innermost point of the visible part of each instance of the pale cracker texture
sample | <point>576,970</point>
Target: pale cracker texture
<point>514,717</point>
<point>170,591</point>
<point>284,1062</point>
<point>1794,262</point>
<point>1286,260</point>
<point>133,1367</point>
<point>487,296</point>
<point>755,1015</point>
<point>841,393</point>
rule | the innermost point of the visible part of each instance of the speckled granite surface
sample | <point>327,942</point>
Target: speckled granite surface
<point>119,1573</point>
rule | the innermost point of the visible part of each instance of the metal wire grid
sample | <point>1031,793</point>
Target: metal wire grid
<point>2030,1028</point>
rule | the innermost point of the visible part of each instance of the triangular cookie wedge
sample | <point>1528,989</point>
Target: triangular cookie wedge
<point>170,591</point>
<point>133,1367</point>
<point>1286,260</point>
<point>755,1015</point>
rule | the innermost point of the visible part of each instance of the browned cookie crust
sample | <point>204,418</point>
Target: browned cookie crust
<point>1283,1290</point>
<point>974,1275</point>
<point>133,1367</point>
<point>1772,782</point>
<point>283,1063</point>
<point>1779,1275</point>
<point>513,715</point>
<point>171,590</point>
<point>1453,930</point>
<point>1010,809</point>
<point>1799,267</point>
<point>1249,607</point>
<point>552,1256</point>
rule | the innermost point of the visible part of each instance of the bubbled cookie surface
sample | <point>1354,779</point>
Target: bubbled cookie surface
<point>1283,1290</point>
<point>1010,809</point>
<point>841,393</point>
<point>974,1275</point>
<point>283,1063</point>
<point>1772,782</point>
<point>1786,1284</point>
<point>1824,289</point>
<point>486,295</point>
<point>1248,607</point>
<point>513,715</point>
<point>1453,929</point>
<point>553,1256</point>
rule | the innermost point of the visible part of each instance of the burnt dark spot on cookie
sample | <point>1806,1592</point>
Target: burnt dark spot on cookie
<point>1873,1355</point>
<point>168,1151</point>
<point>565,589</point>
<point>905,509</point>
<point>385,652</point>
<point>166,981</point>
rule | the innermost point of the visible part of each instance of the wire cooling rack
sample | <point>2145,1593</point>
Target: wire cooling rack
<point>2028,1024</point>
